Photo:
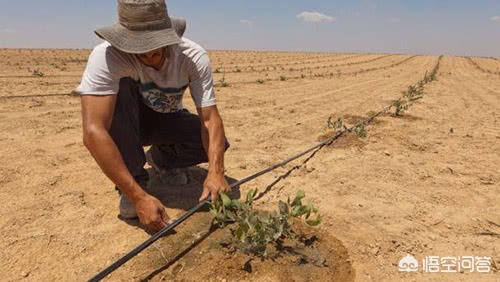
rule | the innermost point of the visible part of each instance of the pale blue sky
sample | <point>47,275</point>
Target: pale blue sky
<point>461,27</point>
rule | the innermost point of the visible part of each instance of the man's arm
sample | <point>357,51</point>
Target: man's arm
<point>97,115</point>
<point>214,142</point>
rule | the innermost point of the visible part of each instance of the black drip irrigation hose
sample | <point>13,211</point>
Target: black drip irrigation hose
<point>105,272</point>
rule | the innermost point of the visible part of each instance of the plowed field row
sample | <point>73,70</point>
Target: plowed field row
<point>256,57</point>
<point>272,64</point>
<point>487,65</point>
<point>347,70</point>
<point>307,66</point>
<point>64,83</point>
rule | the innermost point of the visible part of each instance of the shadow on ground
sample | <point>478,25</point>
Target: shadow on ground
<point>181,197</point>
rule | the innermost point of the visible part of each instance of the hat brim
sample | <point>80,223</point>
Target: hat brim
<point>140,42</point>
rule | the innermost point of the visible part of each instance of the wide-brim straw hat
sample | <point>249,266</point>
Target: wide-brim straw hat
<point>143,26</point>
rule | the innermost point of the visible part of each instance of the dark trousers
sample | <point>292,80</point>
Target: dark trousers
<point>175,137</point>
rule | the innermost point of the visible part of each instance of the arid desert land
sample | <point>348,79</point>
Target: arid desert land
<point>426,183</point>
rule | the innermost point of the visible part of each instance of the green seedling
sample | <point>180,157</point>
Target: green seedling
<point>414,92</point>
<point>433,75</point>
<point>400,106</point>
<point>255,230</point>
<point>360,129</point>
<point>37,72</point>
<point>335,124</point>
<point>223,82</point>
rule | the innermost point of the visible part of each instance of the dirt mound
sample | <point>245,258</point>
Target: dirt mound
<point>197,252</point>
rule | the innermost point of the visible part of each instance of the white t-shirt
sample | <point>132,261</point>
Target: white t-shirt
<point>162,90</point>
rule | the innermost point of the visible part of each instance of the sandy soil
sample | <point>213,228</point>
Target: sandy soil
<point>425,184</point>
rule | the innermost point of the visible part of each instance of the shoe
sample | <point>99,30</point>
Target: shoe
<point>174,176</point>
<point>127,208</point>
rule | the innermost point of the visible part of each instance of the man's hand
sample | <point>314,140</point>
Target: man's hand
<point>151,212</point>
<point>214,142</point>
<point>212,185</point>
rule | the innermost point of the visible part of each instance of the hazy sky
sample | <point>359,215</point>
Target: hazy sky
<point>461,27</point>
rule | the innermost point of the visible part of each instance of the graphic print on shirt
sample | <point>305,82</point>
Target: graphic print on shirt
<point>164,100</point>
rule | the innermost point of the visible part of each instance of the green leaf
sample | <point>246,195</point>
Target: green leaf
<point>236,204</point>
<point>300,194</point>
<point>314,222</point>
<point>264,218</point>
<point>251,195</point>
<point>239,234</point>
<point>299,211</point>
<point>298,198</point>
<point>230,215</point>
<point>309,210</point>
<point>225,199</point>
<point>213,211</point>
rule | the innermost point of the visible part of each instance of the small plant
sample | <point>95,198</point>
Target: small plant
<point>400,106</point>
<point>433,75</point>
<point>223,82</point>
<point>414,92</point>
<point>420,86</point>
<point>37,72</point>
<point>335,124</point>
<point>283,78</point>
<point>256,230</point>
<point>360,129</point>
<point>411,92</point>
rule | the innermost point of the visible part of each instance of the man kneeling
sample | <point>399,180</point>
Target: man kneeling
<point>131,95</point>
